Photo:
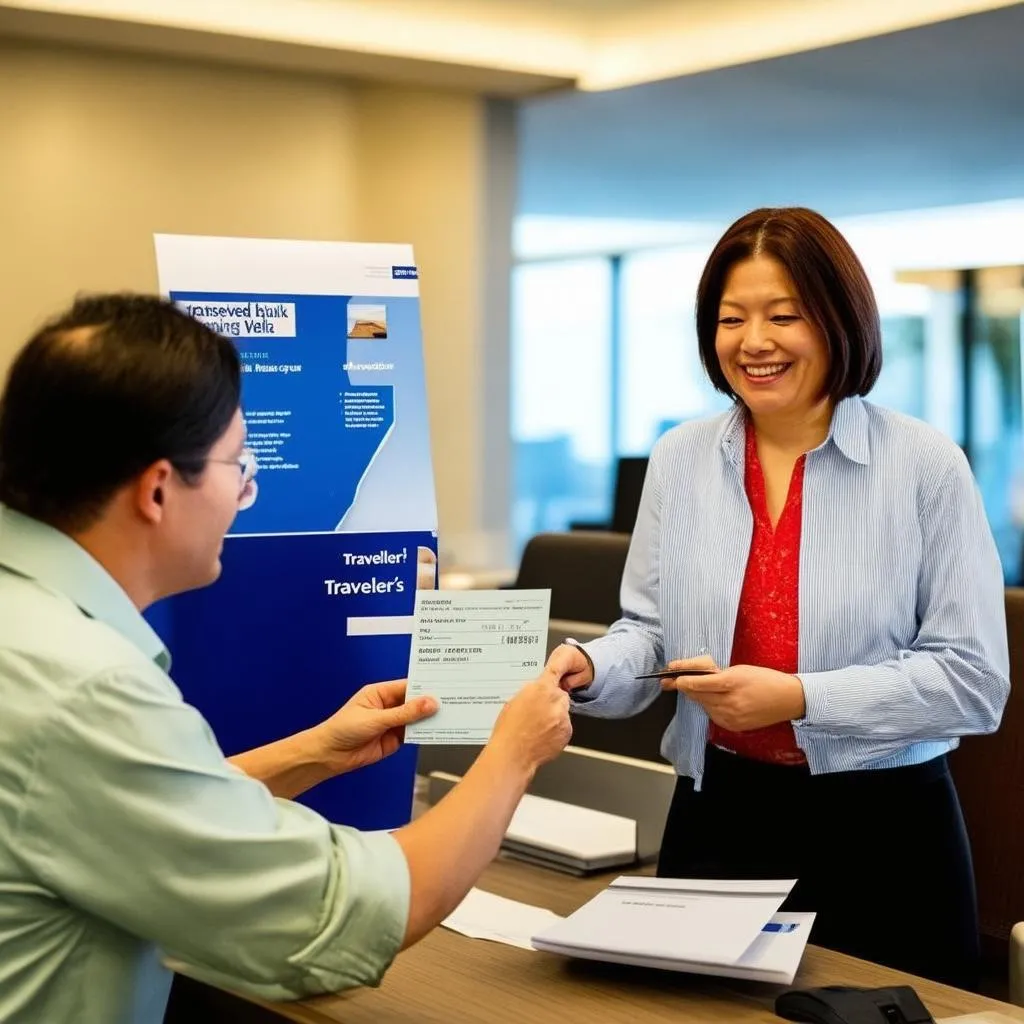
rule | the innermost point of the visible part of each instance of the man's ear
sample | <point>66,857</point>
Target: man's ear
<point>151,488</point>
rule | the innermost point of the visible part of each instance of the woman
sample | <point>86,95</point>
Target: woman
<point>835,557</point>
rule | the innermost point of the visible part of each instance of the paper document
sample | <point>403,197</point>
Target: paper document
<point>665,921</point>
<point>774,955</point>
<point>482,915</point>
<point>472,650</point>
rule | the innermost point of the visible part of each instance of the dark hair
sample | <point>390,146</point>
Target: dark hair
<point>830,283</point>
<point>104,390</point>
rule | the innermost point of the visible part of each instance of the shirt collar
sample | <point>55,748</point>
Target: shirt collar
<point>848,431</point>
<point>51,558</point>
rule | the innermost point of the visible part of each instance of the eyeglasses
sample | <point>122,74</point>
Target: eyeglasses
<point>246,463</point>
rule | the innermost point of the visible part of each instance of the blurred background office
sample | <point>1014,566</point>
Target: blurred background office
<point>562,167</point>
<point>910,141</point>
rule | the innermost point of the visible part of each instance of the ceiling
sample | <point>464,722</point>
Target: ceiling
<point>497,47</point>
<point>931,116</point>
<point>600,8</point>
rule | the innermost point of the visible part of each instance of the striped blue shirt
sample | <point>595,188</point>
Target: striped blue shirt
<point>902,629</point>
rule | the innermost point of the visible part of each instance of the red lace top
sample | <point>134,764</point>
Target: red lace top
<point>768,618</point>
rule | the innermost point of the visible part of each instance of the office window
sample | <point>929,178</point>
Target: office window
<point>904,310</point>
<point>660,380</point>
<point>996,411</point>
<point>901,385</point>
<point>561,394</point>
<point>922,371</point>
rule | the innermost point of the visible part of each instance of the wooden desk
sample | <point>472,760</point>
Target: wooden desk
<point>448,978</point>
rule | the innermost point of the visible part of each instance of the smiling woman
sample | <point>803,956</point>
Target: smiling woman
<point>764,335</point>
<point>788,326</point>
<point>819,573</point>
<point>794,269</point>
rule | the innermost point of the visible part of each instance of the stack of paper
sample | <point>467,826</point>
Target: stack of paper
<point>569,838</point>
<point>723,927</point>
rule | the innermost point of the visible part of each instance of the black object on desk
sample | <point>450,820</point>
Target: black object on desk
<point>839,1004</point>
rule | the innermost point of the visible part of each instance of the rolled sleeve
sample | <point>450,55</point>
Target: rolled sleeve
<point>176,847</point>
<point>356,931</point>
<point>373,910</point>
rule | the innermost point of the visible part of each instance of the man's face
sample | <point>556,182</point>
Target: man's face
<point>199,514</point>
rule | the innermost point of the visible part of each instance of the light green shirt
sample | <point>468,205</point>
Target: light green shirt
<point>123,830</point>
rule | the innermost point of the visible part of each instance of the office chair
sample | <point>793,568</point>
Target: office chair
<point>582,570</point>
<point>998,850</point>
<point>1017,964</point>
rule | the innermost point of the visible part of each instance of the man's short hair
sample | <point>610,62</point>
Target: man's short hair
<point>101,392</point>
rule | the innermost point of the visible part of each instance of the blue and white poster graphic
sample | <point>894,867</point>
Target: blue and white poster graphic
<point>322,563</point>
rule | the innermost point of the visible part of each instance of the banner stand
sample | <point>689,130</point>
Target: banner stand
<point>320,571</point>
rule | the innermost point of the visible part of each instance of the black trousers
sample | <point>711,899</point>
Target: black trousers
<point>882,856</point>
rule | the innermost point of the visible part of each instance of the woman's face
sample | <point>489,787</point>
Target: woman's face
<point>773,357</point>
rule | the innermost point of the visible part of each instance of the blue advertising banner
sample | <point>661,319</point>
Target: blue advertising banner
<point>321,566</point>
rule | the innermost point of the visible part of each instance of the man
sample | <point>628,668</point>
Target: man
<point>124,833</point>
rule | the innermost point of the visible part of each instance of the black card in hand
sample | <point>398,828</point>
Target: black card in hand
<point>672,673</point>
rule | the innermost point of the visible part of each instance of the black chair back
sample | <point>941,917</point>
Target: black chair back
<point>989,775</point>
<point>582,569</point>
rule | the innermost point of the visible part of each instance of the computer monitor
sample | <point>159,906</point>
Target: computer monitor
<point>629,484</point>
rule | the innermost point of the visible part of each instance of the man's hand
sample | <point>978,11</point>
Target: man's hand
<point>369,727</point>
<point>742,697</point>
<point>533,727</point>
<point>571,667</point>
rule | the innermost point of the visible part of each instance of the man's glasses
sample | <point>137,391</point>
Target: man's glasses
<point>246,463</point>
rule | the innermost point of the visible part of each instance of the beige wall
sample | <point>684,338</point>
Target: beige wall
<point>99,151</point>
<point>433,183</point>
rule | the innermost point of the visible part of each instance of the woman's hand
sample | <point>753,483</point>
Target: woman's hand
<point>742,697</point>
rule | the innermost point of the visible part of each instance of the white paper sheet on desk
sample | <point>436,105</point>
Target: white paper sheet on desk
<point>472,650</point>
<point>482,915</point>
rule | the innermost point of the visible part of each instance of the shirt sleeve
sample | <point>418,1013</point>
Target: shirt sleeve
<point>635,644</point>
<point>133,815</point>
<point>954,678</point>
